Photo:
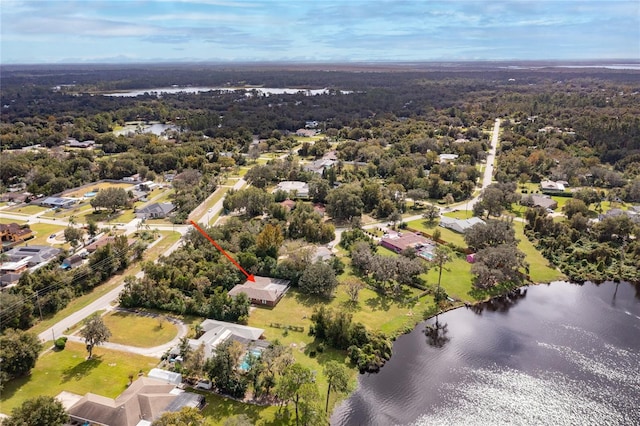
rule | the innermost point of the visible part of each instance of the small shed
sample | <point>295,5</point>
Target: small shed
<point>166,376</point>
<point>471,258</point>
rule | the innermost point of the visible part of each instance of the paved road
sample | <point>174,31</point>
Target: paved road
<point>486,181</point>
<point>490,163</point>
<point>217,207</point>
<point>156,351</point>
<point>103,302</point>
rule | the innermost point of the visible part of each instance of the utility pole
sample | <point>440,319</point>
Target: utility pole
<point>39,307</point>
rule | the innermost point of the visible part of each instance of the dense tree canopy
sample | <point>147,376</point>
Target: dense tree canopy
<point>19,351</point>
<point>38,411</point>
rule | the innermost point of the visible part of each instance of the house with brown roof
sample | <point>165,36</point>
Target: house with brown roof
<point>103,242</point>
<point>140,404</point>
<point>288,204</point>
<point>15,233</point>
<point>399,242</point>
<point>264,291</point>
<point>15,197</point>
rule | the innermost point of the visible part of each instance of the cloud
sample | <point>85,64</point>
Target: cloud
<point>323,30</point>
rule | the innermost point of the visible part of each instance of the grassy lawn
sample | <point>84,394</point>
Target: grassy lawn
<point>77,193</point>
<point>456,278</point>
<point>165,196</point>
<point>376,311</point>
<point>42,231</point>
<point>539,268</point>
<point>5,221</point>
<point>121,216</point>
<point>106,374</point>
<point>169,238</point>
<point>219,409</point>
<point>561,202</point>
<point>446,234</point>
<point>28,209</point>
<point>138,330</point>
<point>459,214</point>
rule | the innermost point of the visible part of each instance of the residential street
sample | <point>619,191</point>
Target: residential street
<point>105,302</point>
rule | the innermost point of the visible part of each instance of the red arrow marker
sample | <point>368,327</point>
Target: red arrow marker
<point>250,277</point>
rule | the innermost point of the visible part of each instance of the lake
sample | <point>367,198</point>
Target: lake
<point>261,90</point>
<point>558,354</point>
<point>155,128</point>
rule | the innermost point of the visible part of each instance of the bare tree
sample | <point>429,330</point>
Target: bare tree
<point>352,288</point>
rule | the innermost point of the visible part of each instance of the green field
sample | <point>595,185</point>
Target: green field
<point>79,193</point>
<point>106,374</point>
<point>30,209</point>
<point>459,214</point>
<point>169,238</point>
<point>121,216</point>
<point>456,278</point>
<point>295,309</point>
<point>540,270</point>
<point>143,331</point>
<point>377,312</point>
<point>5,221</point>
<point>446,234</point>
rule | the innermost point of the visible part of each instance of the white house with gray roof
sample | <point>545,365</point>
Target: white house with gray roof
<point>217,332</point>
<point>459,225</point>
<point>295,188</point>
<point>155,211</point>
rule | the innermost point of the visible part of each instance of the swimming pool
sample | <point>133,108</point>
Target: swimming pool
<point>245,360</point>
<point>426,255</point>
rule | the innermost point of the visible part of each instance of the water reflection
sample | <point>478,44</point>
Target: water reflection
<point>436,333</point>
<point>561,354</point>
<point>500,303</point>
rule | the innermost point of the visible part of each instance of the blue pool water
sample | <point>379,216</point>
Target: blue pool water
<point>426,255</point>
<point>245,362</point>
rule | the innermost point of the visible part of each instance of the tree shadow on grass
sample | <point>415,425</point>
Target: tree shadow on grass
<point>350,305</point>
<point>309,300</point>
<point>220,408</point>
<point>13,386</point>
<point>378,303</point>
<point>81,370</point>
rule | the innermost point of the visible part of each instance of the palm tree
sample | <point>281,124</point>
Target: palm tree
<point>441,255</point>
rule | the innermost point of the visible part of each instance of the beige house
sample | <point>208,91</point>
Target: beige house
<point>264,291</point>
<point>139,405</point>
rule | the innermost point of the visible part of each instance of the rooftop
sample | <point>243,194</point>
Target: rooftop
<point>405,240</point>
<point>146,399</point>
<point>36,254</point>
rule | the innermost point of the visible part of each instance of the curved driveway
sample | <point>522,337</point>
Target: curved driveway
<point>156,351</point>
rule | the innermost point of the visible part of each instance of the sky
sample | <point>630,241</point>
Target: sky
<point>122,31</point>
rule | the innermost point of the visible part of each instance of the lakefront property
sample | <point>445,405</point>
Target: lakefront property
<point>336,215</point>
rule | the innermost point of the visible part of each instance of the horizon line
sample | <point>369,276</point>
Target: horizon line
<point>336,62</point>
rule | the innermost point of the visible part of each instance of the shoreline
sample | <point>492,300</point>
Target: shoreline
<point>468,306</point>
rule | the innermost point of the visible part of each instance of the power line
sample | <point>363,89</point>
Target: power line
<point>76,278</point>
